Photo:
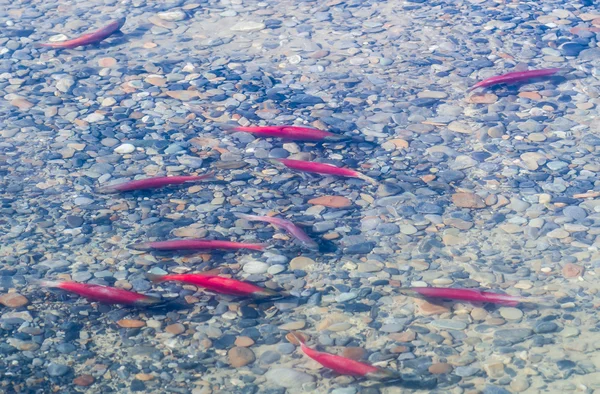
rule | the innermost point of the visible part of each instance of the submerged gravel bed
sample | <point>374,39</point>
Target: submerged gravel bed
<point>495,189</point>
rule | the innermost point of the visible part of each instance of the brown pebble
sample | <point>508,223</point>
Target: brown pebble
<point>530,95</point>
<point>13,300</point>
<point>240,356</point>
<point>144,377</point>
<point>21,103</point>
<point>191,299</point>
<point>468,200</point>
<point>406,336</point>
<point>487,98</point>
<point>128,323</point>
<point>331,201</point>
<point>399,349</point>
<point>571,270</point>
<point>175,329</point>
<point>107,62</point>
<point>427,308</point>
<point>183,95</point>
<point>440,368</point>
<point>354,353</point>
<point>83,380</point>
<point>244,341</point>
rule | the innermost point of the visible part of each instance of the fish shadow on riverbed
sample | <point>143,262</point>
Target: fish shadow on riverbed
<point>412,382</point>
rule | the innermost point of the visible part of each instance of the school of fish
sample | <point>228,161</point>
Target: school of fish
<point>229,286</point>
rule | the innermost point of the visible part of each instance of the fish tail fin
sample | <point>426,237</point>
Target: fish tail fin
<point>367,178</point>
<point>546,301</point>
<point>203,177</point>
<point>260,247</point>
<point>39,45</point>
<point>150,301</point>
<point>155,278</point>
<point>562,71</point>
<point>270,294</point>
<point>143,246</point>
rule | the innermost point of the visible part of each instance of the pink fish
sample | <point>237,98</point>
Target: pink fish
<point>153,183</point>
<point>322,168</point>
<point>517,76</point>
<point>218,284</point>
<point>288,226</point>
<point>346,366</point>
<point>104,294</point>
<point>194,244</point>
<point>470,295</point>
<point>90,38</point>
<point>294,133</point>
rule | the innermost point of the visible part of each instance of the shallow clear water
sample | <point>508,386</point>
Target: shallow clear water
<point>493,189</point>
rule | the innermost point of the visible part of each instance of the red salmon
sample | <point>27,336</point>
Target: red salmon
<point>322,168</point>
<point>517,76</point>
<point>218,284</point>
<point>294,133</point>
<point>152,183</point>
<point>90,38</point>
<point>195,244</point>
<point>346,366</point>
<point>471,295</point>
<point>288,226</point>
<point>104,294</point>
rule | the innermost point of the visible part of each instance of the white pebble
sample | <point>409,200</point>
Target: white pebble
<point>125,148</point>
<point>255,267</point>
<point>295,59</point>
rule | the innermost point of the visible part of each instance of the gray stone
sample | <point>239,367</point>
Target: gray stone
<point>58,369</point>
<point>288,378</point>
<point>448,324</point>
<point>466,371</point>
<point>514,335</point>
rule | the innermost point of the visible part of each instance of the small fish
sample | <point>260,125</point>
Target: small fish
<point>322,168</point>
<point>152,183</point>
<point>195,244</point>
<point>104,294</point>
<point>294,133</point>
<point>471,295</point>
<point>517,76</point>
<point>90,38</point>
<point>288,226</point>
<point>346,366</point>
<point>218,284</point>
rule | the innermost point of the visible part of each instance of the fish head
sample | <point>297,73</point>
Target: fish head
<point>336,138</point>
<point>120,22</point>
<point>277,163</point>
<point>383,374</point>
<point>107,189</point>
<point>266,293</point>
<point>143,247</point>
<point>149,300</point>
<point>407,291</point>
